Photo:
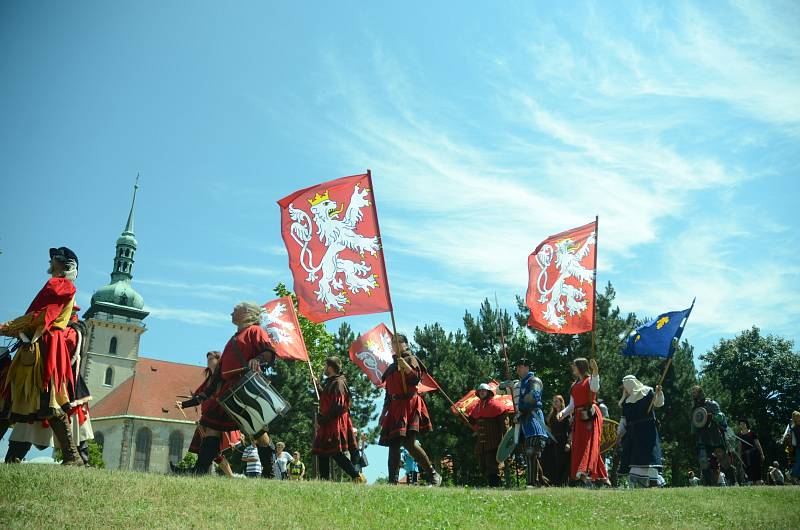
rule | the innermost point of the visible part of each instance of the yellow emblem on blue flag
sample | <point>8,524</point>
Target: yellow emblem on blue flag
<point>657,338</point>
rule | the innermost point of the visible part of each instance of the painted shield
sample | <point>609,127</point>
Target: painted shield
<point>699,417</point>
<point>507,446</point>
<point>608,438</point>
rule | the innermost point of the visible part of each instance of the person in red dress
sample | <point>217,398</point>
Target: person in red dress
<point>39,380</point>
<point>335,435</point>
<point>405,415</point>
<point>587,463</point>
<point>249,348</point>
<point>228,439</point>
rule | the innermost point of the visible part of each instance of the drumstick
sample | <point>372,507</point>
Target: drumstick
<point>184,414</point>
<point>236,370</point>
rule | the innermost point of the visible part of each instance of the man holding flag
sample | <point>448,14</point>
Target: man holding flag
<point>405,415</point>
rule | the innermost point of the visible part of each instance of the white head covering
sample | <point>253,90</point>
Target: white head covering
<point>636,389</point>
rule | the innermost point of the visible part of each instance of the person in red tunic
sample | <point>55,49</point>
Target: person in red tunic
<point>489,419</point>
<point>405,414</point>
<point>39,379</point>
<point>249,348</point>
<point>228,439</point>
<point>587,463</point>
<point>335,435</point>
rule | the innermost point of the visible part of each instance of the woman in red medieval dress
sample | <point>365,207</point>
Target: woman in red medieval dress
<point>587,464</point>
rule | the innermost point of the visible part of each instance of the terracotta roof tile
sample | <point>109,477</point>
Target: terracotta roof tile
<point>152,390</point>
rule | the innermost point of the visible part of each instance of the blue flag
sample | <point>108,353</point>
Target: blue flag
<point>657,338</point>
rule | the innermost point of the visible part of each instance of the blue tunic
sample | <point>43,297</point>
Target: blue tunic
<point>641,446</point>
<point>530,408</point>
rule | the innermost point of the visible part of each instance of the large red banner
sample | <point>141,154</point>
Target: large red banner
<point>561,282</point>
<point>332,237</point>
<point>372,352</point>
<point>280,321</point>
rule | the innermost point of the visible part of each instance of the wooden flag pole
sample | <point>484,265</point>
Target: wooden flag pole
<point>594,284</point>
<point>395,342</point>
<point>502,337</point>
<point>313,382</point>
<point>660,383</point>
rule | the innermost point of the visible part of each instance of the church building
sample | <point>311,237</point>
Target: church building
<point>133,413</point>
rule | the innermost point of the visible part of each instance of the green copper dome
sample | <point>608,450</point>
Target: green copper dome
<point>119,293</point>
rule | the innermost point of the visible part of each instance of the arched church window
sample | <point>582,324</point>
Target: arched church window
<point>109,379</point>
<point>175,447</point>
<point>141,460</point>
<point>112,346</point>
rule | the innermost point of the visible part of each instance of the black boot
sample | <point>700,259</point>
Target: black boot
<point>62,432</point>
<point>4,425</point>
<point>209,450</point>
<point>324,462</point>
<point>494,480</point>
<point>83,450</point>
<point>17,451</point>
<point>394,475</point>
<point>267,457</point>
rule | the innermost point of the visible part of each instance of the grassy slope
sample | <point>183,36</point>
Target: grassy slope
<point>126,499</point>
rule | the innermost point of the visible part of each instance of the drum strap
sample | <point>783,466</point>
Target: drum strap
<point>238,351</point>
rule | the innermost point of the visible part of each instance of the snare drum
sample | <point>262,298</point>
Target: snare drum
<point>253,403</point>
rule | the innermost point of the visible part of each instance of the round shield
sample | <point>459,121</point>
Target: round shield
<point>506,448</point>
<point>699,417</point>
<point>608,437</point>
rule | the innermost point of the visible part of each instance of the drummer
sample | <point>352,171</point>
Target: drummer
<point>247,350</point>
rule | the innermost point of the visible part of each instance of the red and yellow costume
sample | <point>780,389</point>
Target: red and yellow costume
<point>335,430</point>
<point>404,409</point>
<point>586,457</point>
<point>43,365</point>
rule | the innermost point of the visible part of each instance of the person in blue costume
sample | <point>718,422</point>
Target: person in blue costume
<point>641,445</point>
<point>531,420</point>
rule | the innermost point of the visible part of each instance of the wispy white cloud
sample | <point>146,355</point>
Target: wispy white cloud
<point>211,291</point>
<point>188,316</point>
<point>586,121</point>
<point>248,270</point>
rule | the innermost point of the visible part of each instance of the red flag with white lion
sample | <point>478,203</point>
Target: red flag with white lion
<point>280,322</point>
<point>372,352</point>
<point>332,237</point>
<point>561,281</point>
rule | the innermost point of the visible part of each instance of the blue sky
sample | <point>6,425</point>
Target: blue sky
<point>487,127</point>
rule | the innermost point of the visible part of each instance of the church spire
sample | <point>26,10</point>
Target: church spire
<point>126,246</point>
<point>129,225</point>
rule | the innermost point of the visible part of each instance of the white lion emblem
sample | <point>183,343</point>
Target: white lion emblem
<point>336,234</point>
<point>279,330</point>
<point>562,295</point>
<point>377,357</point>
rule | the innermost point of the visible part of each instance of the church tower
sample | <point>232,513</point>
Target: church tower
<point>115,320</point>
